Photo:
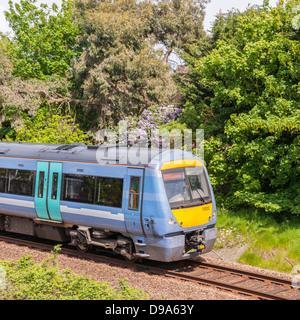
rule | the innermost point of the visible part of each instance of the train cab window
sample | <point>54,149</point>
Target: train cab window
<point>41,184</point>
<point>187,187</point>
<point>109,192</point>
<point>134,193</point>
<point>79,188</point>
<point>20,182</point>
<point>2,180</point>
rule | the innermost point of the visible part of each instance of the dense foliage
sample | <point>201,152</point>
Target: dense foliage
<point>90,64</point>
<point>245,93</point>
<point>99,61</point>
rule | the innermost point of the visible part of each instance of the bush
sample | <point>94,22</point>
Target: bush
<point>49,128</point>
<point>26,280</point>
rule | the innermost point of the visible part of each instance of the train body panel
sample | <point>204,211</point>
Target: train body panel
<point>90,215</point>
<point>155,205</point>
<point>162,209</point>
<point>22,206</point>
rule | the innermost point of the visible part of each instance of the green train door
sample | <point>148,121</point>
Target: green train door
<point>47,190</point>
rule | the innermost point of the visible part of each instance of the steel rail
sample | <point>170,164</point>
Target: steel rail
<point>218,284</point>
<point>249,274</point>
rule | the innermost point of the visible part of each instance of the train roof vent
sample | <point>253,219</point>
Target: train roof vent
<point>67,147</point>
<point>4,150</point>
<point>92,147</point>
<point>107,145</point>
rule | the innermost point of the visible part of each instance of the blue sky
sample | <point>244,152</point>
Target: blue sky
<point>212,9</point>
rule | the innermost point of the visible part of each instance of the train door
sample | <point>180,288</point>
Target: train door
<point>133,203</point>
<point>47,190</point>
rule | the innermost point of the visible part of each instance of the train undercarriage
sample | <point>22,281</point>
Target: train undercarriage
<point>82,237</point>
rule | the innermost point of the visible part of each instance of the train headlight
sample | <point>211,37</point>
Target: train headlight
<point>171,221</point>
<point>214,214</point>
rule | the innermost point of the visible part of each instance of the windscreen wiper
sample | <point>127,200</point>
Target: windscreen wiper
<point>192,185</point>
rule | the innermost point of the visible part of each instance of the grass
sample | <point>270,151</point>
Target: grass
<point>269,238</point>
<point>26,280</point>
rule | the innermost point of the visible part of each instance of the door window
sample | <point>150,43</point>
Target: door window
<point>54,185</point>
<point>41,184</point>
<point>134,193</point>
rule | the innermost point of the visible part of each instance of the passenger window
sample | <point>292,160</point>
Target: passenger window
<point>20,182</point>
<point>2,180</point>
<point>54,186</point>
<point>109,192</point>
<point>134,193</point>
<point>41,184</point>
<point>79,188</point>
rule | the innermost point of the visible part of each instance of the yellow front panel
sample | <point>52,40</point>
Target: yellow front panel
<point>192,217</point>
<point>181,163</point>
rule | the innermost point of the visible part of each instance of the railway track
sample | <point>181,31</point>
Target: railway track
<point>249,284</point>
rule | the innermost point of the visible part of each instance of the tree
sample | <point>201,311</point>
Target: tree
<point>21,100</point>
<point>44,41</point>
<point>36,61</point>
<point>177,24</point>
<point>246,93</point>
<point>122,70</point>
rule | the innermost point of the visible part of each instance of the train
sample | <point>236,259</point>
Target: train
<point>140,203</point>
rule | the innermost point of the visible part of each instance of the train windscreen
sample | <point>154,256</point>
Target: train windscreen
<point>187,187</point>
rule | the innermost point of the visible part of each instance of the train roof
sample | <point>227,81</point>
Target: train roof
<point>80,152</point>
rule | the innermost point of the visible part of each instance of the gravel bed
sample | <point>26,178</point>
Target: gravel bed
<point>155,286</point>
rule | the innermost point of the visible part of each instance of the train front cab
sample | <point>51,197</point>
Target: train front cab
<point>180,209</point>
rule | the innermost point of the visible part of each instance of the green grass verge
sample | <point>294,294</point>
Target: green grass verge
<point>270,238</point>
<point>26,280</point>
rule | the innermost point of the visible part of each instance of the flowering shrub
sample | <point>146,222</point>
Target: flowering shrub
<point>143,130</point>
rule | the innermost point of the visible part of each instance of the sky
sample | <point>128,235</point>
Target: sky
<point>213,8</point>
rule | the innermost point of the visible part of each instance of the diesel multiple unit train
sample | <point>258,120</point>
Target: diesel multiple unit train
<point>140,203</point>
